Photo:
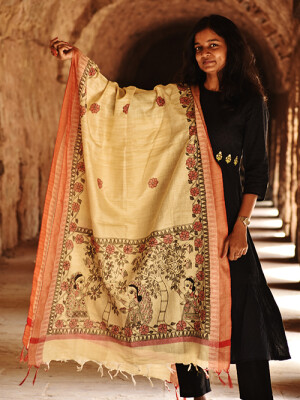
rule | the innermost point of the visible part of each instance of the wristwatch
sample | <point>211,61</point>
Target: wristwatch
<point>244,220</point>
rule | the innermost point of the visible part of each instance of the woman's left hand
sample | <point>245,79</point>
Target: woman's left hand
<point>236,245</point>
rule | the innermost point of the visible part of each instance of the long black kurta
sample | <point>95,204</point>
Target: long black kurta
<point>257,329</point>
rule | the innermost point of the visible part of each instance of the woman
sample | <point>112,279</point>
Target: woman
<point>219,62</point>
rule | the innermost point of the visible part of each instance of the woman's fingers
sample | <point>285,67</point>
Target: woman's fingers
<point>60,49</point>
<point>225,248</point>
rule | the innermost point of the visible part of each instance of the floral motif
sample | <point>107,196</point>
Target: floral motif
<point>190,162</point>
<point>153,182</point>
<point>78,187</point>
<point>99,183</point>
<point>88,324</point>
<point>125,108</point>
<point>184,235</point>
<point>194,191</point>
<point>142,247</point>
<point>110,249</point>
<point>198,242</point>
<point>190,148</point>
<point>115,329</point>
<point>168,239</point>
<point>192,130</point>
<point>59,324</point>
<point>66,265</point>
<point>162,328</point>
<point>197,326</point>
<point>200,275</point>
<point>127,249</point>
<point>128,331</point>
<point>202,315</point>
<point>59,309</point>
<point>73,323</point>
<point>190,114</point>
<point>196,209</point>
<point>69,244</point>
<point>75,207</point>
<point>228,159</point>
<point>79,239</point>
<point>81,166</point>
<point>181,87</point>
<point>180,325</point>
<point>201,295</point>
<point>193,175</point>
<point>199,258</point>
<point>152,242</point>
<point>94,108</point>
<point>144,329</point>
<point>160,101</point>
<point>92,71</point>
<point>197,226</point>
<point>103,326</point>
<point>185,101</point>
<point>219,156</point>
<point>72,227</point>
<point>65,286</point>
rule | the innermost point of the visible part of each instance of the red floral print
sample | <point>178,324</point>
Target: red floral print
<point>59,323</point>
<point>128,331</point>
<point>181,87</point>
<point>193,175</point>
<point>197,326</point>
<point>65,286</point>
<point>102,326</point>
<point>201,295</point>
<point>198,242</point>
<point>59,309</point>
<point>88,324</point>
<point>198,226</point>
<point>160,101</point>
<point>190,148</point>
<point>192,130</point>
<point>153,182</point>
<point>69,244</point>
<point>92,71</point>
<point>127,249</point>
<point>66,265</point>
<point>190,162</point>
<point>73,323</point>
<point>144,329</point>
<point>196,209</point>
<point>185,101</point>
<point>81,166</point>
<point>162,328</point>
<point>194,191</point>
<point>142,247</point>
<point>199,258</point>
<point>125,108</point>
<point>79,239</point>
<point>95,244</point>
<point>200,275</point>
<point>180,325</point>
<point>190,114</point>
<point>184,235</point>
<point>78,187</point>
<point>202,315</point>
<point>110,249</point>
<point>82,110</point>
<point>115,329</point>
<point>99,183</point>
<point>168,239</point>
<point>72,227</point>
<point>75,207</point>
<point>152,242</point>
<point>94,108</point>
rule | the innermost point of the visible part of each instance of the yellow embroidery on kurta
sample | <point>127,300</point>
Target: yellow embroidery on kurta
<point>228,158</point>
<point>219,156</point>
<point>236,160</point>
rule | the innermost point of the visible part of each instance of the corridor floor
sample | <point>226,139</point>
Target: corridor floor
<point>63,382</point>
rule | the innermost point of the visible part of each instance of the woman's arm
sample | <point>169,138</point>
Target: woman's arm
<point>236,246</point>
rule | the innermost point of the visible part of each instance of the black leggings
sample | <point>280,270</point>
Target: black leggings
<point>253,378</point>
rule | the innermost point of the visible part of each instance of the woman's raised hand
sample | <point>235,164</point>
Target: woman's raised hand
<point>60,49</point>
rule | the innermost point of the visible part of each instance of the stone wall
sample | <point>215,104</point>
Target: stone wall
<point>121,36</point>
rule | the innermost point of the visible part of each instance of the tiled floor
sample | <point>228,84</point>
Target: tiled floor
<point>62,382</point>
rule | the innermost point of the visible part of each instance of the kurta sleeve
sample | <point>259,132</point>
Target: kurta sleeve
<point>255,158</point>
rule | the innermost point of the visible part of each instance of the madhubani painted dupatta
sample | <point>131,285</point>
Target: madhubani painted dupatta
<point>128,272</point>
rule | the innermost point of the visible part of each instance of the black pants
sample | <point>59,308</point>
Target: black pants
<point>253,378</point>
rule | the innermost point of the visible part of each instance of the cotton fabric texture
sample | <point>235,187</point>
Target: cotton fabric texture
<point>128,270</point>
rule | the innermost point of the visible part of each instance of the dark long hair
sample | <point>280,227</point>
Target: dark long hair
<point>239,78</point>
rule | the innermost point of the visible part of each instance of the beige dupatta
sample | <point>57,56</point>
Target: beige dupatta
<point>128,271</point>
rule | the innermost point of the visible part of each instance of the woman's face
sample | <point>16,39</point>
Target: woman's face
<point>210,51</point>
<point>132,293</point>
<point>80,282</point>
<point>188,286</point>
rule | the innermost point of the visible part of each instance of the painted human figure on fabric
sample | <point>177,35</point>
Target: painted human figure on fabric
<point>191,305</point>
<point>75,304</point>
<point>139,307</point>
